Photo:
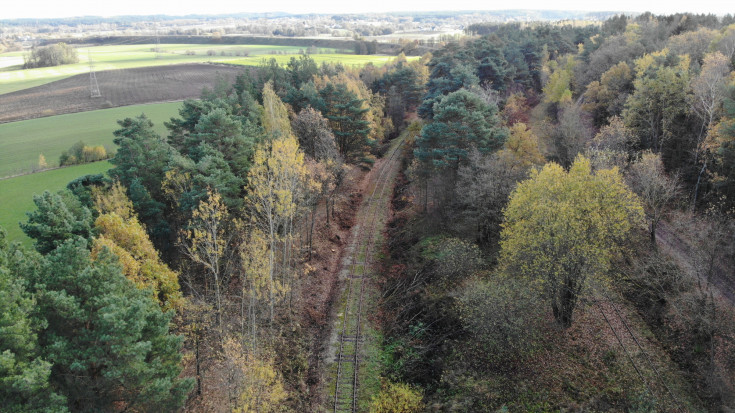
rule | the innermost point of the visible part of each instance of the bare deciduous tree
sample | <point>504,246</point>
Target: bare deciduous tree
<point>656,189</point>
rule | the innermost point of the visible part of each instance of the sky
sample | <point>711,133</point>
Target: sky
<point>107,8</point>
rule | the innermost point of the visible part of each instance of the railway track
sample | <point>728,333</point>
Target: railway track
<point>350,336</point>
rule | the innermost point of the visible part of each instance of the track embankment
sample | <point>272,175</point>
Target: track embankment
<point>352,338</point>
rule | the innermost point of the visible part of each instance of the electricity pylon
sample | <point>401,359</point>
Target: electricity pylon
<point>94,87</point>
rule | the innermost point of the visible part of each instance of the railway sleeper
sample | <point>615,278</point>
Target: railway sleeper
<point>353,338</point>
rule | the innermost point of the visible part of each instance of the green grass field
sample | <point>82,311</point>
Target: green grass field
<point>16,194</point>
<point>22,142</point>
<point>13,77</point>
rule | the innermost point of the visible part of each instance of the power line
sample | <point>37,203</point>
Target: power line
<point>158,42</point>
<point>630,358</point>
<point>645,354</point>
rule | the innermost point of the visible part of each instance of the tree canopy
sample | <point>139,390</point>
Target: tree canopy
<point>462,121</point>
<point>562,229</point>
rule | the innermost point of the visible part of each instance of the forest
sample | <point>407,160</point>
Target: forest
<point>559,235</point>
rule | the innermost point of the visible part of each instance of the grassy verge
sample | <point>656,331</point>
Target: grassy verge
<point>22,142</point>
<point>16,194</point>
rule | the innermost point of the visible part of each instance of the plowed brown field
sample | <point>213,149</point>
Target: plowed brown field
<point>118,88</point>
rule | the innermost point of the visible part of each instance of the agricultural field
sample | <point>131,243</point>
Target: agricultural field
<point>22,142</point>
<point>13,77</point>
<point>118,88</point>
<point>16,194</point>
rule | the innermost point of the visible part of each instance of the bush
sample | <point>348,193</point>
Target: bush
<point>81,153</point>
<point>397,398</point>
<point>93,153</point>
<point>502,315</point>
<point>452,259</point>
<point>53,55</point>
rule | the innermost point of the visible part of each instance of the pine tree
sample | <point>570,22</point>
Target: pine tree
<point>58,217</point>
<point>24,375</point>
<point>108,341</point>
<point>347,117</point>
<point>462,121</point>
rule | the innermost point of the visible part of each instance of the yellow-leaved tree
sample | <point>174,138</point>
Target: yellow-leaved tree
<point>275,114</point>
<point>255,280</point>
<point>42,164</point>
<point>120,231</point>
<point>206,240</point>
<point>277,181</point>
<point>249,379</point>
<point>563,228</point>
<point>558,88</point>
<point>521,149</point>
<point>262,386</point>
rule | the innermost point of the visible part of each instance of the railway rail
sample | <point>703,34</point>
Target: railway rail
<point>350,336</point>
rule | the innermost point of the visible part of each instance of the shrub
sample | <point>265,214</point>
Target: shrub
<point>397,398</point>
<point>52,55</point>
<point>93,153</point>
<point>81,153</point>
<point>502,315</point>
<point>452,259</point>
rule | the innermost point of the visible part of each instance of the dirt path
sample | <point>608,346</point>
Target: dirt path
<point>351,339</point>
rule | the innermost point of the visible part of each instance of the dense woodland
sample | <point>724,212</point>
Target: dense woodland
<point>552,171</point>
<point>549,161</point>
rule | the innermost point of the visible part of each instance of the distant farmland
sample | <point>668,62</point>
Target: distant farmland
<point>118,88</point>
<point>153,84</point>
<point>13,77</point>
<point>22,142</point>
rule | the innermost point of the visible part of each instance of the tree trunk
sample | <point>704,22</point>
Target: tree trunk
<point>567,299</point>
<point>271,269</point>
<point>326,205</point>
<point>696,187</point>
<point>311,230</point>
<point>653,233</point>
<point>252,318</point>
<point>219,303</point>
<point>426,195</point>
<point>198,365</point>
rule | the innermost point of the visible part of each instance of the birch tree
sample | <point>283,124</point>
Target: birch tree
<point>205,243</point>
<point>274,186</point>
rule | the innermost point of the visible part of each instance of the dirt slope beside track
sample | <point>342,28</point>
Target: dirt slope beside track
<point>118,87</point>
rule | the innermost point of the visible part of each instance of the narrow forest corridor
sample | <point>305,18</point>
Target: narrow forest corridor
<point>352,338</point>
